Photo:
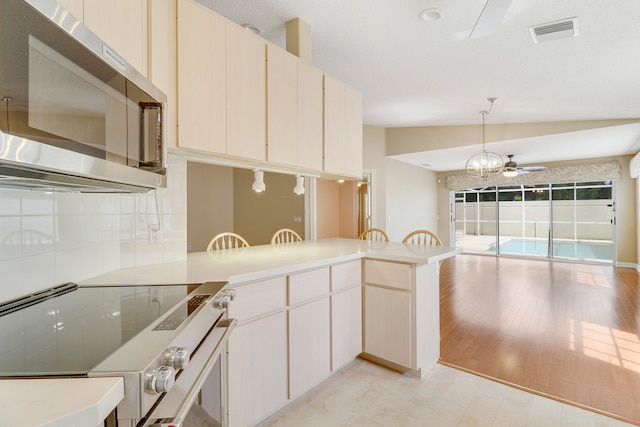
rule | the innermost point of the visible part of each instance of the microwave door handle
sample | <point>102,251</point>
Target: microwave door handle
<point>191,396</point>
<point>158,146</point>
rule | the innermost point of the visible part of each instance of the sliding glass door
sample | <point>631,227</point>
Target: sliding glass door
<point>573,221</point>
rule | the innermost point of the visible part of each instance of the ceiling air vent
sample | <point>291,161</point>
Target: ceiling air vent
<point>564,29</point>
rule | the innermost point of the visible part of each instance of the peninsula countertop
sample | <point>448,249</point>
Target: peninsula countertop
<point>258,262</point>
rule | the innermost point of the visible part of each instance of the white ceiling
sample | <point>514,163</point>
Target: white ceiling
<point>416,73</point>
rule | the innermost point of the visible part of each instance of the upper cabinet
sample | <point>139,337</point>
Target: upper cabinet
<point>246,94</point>
<point>294,105</point>
<point>202,93</point>
<point>122,24</point>
<point>163,59</point>
<point>342,128</point>
<point>221,85</point>
<point>238,96</point>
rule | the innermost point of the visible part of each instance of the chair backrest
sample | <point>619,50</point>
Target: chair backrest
<point>422,237</point>
<point>374,234</point>
<point>227,240</point>
<point>285,235</point>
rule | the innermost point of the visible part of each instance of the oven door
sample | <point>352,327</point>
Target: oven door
<point>206,375</point>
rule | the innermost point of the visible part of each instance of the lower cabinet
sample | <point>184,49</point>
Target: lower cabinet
<point>292,332</point>
<point>309,345</point>
<point>257,369</point>
<point>388,324</point>
<point>346,326</point>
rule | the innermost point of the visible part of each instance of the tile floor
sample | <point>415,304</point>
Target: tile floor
<point>365,394</point>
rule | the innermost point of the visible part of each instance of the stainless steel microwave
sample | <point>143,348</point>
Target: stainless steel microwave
<point>74,114</point>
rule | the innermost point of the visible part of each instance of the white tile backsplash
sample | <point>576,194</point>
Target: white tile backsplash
<point>51,238</point>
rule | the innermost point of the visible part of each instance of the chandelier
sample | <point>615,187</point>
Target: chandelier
<point>484,164</point>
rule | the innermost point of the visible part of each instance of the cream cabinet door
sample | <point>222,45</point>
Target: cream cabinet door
<point>246,94</point>
<point>334,125</point>
<point>76,7</point>
<point>163,59</point>
<point>387,324</point>
<point>353,132</point>
<point>282,105</point>
<point>342,128</point>
<point>257,367</point>
<point>346,326</point>
<point>310,106</point>
<point>309,345</point>
<point>201,78</point>
<point>122,24</point>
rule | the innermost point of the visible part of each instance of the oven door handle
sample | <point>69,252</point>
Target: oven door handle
<point>191,396</point>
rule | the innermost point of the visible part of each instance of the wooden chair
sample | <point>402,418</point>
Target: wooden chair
<point>374,234</point>
<point>227,240</point>
<point>285,235</point>
<point>422,237</point>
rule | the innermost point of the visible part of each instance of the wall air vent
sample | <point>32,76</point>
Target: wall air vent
<point>564,29</point>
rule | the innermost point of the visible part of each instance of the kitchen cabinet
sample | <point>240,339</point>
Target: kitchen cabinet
<point>346,327</point>
<point>282,105</point>
<point>309,330</point>
<point>258,351</point>
<point>388,312</point>
<point>294,105</point>
<point>202,105</point>
<point>163,59</point>
<point>309,345</point>
<point>401,304</point>
<point>342,128</point>
<point>388,324</point>
<point>122,24</point>
<point>309,117</point>
<point>346,313</point>
<point>246,93</point>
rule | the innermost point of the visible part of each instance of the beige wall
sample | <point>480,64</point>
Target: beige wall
<point>374,159</point>
<point>337,209</point>
<point>412,201</point>
<point>415,139</point>
<point>209,203</point>
<point>405,196</point>
<point>256,216</point>
<point>220,199</point>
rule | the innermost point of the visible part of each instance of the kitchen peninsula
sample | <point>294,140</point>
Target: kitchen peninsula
<point>306,309</point>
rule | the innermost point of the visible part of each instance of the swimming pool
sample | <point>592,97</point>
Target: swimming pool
<point>574,250</point>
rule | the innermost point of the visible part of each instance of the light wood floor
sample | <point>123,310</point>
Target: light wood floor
<point>566,330</point>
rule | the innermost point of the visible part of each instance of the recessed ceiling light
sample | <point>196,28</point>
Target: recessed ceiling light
<point>431,14</point>
<point>252,28</point>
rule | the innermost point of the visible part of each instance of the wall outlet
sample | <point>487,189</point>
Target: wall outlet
<point>156,295</point>
<point>154,233</point>
<point>297,219</point>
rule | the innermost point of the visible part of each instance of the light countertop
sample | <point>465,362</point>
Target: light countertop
<point>59,402</point>
<point>87,401</point>
<point>259,262</point>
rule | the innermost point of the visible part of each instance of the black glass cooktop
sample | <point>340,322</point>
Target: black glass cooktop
<point>70,334</point>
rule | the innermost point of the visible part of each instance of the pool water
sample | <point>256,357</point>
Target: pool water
<point>575,250</point>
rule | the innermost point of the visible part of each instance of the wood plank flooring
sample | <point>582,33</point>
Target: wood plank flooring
<point>566,330</point>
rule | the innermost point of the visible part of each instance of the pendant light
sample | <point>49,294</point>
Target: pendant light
<point>299,188</point>
<point>258,182</point>
<point>484,164</point>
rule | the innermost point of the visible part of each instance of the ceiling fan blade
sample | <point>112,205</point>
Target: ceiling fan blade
<point>533,168</point>
<point>490,18</point>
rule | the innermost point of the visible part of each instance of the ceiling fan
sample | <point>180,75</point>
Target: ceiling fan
<point>511,168</point>
<point>490,18</point>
